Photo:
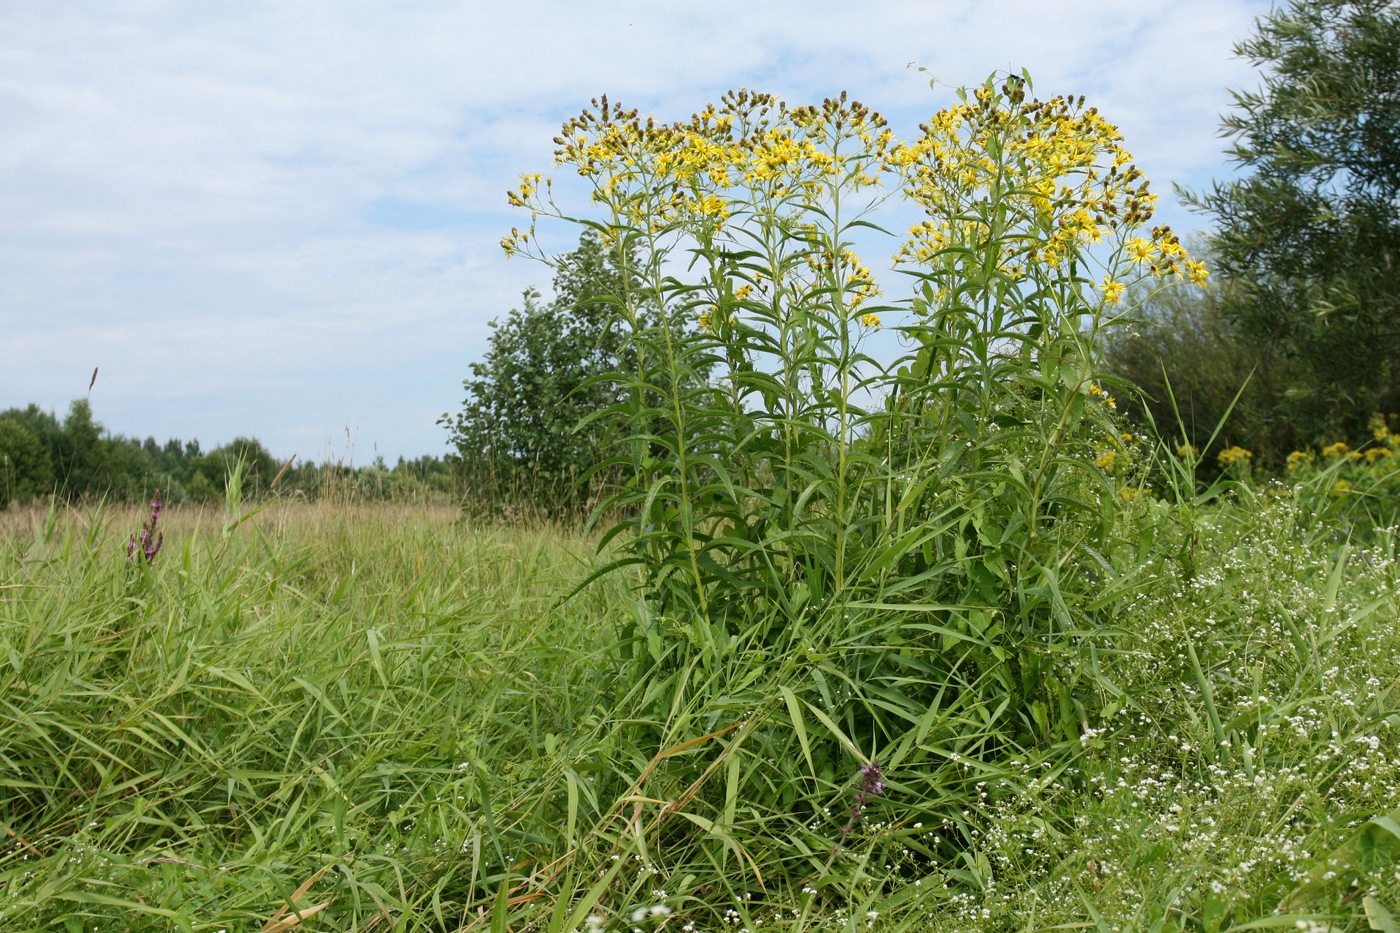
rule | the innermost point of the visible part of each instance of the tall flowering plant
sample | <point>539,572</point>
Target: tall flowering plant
<point>833,542</point>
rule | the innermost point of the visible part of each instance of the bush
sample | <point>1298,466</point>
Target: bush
<point>1196,372</point>
<point>835,594</point>
<point>1308,233</point>
<point>25,470</point>
<point>533,429</point>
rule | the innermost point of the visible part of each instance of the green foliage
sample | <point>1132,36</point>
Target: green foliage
<point>26,472</point>
<point>1185,357</point>
<point>83,461</point>
<point>187,743</point>
<point>209,472</point>
<point>533,428</point>
<point>78,460</point>
<point>400,717</point>
<point>844,566</point>
<point>1309,237</point>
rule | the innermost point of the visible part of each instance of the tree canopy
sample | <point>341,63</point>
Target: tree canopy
<point>533,426</point>
<point>1308,235</point>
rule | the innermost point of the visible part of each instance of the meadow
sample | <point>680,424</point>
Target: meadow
<point>383,718</point>
<point>930,642</point>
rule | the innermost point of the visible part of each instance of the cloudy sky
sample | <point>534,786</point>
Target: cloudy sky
<point>280,219</point>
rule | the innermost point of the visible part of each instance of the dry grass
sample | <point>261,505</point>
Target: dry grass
<point>285,517</point>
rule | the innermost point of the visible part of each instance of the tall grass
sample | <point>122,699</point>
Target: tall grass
<point>384,719</point>
<point>359,696</point>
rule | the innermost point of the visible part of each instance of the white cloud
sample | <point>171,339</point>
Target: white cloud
<point>188,192</point>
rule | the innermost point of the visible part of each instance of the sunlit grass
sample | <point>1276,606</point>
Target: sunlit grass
<point>389,719</point>
<point>364,693</point>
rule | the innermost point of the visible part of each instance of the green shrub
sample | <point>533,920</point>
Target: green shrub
<point>534,427</point>
<point>855,574</point>
<point>1195,372</point>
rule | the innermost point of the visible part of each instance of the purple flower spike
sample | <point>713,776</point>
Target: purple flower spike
<point>872,784</point>
<point>872,779</point>
<point>151,540</point>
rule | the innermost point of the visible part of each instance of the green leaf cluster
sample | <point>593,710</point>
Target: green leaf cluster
<point>1309,237</point>
<point>76,459</point>
<point>535,423</point>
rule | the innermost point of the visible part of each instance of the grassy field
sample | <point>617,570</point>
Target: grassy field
<point>384,718</point>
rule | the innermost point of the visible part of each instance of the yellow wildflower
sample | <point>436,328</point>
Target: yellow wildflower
<point>713,205</point>
<point>1233,455</point>
<point>1140,250</point>
<point>1112,291</point>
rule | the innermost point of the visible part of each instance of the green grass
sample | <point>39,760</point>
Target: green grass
<point>386,719</point>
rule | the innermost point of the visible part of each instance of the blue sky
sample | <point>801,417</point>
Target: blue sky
<point>280,220</point>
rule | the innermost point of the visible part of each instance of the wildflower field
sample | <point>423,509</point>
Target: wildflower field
<point>387,720</point>
<point>923,638</point>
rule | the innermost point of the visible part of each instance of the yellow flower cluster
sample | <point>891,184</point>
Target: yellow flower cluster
<point>1233,455</point>
<point>1385,449</point>
<point>1112,290</point>
<point>1340,450</point>
<point>1164,255</point>
<point>847,267</point>
<point>1063,183</point>
<point>1098,392</point>
<point>750,156</point>
<point>1027,184</point>
<point>707,320</point>
<point>721,158</point>
<point>1298,459</point>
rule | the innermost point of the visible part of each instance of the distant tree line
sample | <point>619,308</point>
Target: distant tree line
<point>75,459</point>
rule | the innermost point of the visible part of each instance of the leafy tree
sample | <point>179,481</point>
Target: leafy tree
<point>523,437</point>
<point>1195,369</point>
<point>45,427</point>
<point>84,461</point>
<point>1309,236</point>
<point>25,469</point>
<point>210,472</point>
